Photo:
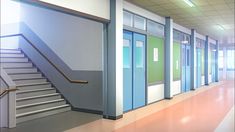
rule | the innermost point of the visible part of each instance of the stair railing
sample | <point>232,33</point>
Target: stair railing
<point>44,56</point>
<point>11,99</point>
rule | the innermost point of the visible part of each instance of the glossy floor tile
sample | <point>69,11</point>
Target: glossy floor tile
<point>199,110</point>
<point>200,113</point>
<point>206,109</point>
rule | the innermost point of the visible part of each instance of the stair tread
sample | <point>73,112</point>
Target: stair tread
<point>18,57</point>
<point>34,90</point>
<point>40,96</point>
<point>11,49</point>
<point>39,103</point>
<point>30,78</point>
<point>25,73</point>
<point>30,84</point>
<point>42,110</point>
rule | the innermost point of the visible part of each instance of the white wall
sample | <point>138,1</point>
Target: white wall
<point>176,87</point>
<point>155,93</point>
<point>99,8</point>
<point>77,41</point>
<point>10,16</point>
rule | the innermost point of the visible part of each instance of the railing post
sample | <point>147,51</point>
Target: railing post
<point>11,99</point>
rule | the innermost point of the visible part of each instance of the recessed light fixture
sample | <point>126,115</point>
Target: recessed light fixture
<point>189,2</point>
<point>220,27</point>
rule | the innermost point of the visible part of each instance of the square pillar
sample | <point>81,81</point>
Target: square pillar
<point>206,61</point>
<point>217,62</point>
<point>168,58</point>
<point>193,59</point>
<point>113,63</point>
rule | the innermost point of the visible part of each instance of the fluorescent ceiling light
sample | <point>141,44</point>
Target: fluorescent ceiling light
<point>184,42</point>
<point>220,27</point>
<point>189,2</point>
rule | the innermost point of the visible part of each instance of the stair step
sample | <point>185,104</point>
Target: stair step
<point>32,87</point>
<point>14,64</point>
<point>30,81</point>
<point>38,106</point>
<point>32,84</point>
<point>37,99</point>
<point>13,59</point>
<point>11,55</point>
<point>34,92</point>
<point>10,51</point>
<point>20,70</point>
<point>26,76</point>
<point>41,113</point>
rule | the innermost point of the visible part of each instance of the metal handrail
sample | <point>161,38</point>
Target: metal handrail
<point>6,91</point>
<point>61,72</point>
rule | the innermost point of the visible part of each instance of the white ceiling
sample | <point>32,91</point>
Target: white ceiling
<point>207,16</point>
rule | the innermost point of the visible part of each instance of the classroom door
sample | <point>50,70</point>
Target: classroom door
<point>134,81</point>
<point>185,75</point>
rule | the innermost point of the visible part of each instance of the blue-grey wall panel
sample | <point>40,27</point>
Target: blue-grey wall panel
<point>86,96</point>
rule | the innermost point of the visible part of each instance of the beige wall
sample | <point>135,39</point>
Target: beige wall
<point>99,8</point>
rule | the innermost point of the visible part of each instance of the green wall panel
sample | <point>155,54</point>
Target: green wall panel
<point>202,62</point>
<point>155,61</point>
<point>176,61</point>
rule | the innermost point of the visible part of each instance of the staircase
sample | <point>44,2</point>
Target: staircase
<point>36,96</point>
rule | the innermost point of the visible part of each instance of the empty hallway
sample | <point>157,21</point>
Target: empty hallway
<point>117,65</point>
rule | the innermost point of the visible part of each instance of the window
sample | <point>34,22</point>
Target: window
<point>139,22</point>
<point>127,19</point>
<point>221,59</point>
<point>155,28</point>
<point>152,27</point>
<point>139,54</point>
<point>188,57</point>
<point>126,54</point>
<point>230,59</point>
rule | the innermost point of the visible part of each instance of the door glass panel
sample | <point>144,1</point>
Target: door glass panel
<point>187,57</point>
<point>126,53</point>
<point>183,57</point>
<point>139,54</point>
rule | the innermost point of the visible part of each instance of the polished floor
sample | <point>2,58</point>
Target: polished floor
<point>207,109</point>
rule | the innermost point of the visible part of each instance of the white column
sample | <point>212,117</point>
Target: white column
<point>193,69</point>
<point>113,87</point>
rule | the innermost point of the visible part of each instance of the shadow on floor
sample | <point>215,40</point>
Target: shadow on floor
<point>55,123</point>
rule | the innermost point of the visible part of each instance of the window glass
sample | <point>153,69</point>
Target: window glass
<point>183,57</point>
<point>139,22</point>
<point>188,57</point>
<point>230,59</point>
<point>155,28</point>
<point>139,54</point>
<point>127,19</point>
<point>221,59</point>
<point>126,53</point>
<point>152,27</point>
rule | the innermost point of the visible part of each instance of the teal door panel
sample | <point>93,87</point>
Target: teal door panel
<point>183,66</point>
<point>134,81</point>
<point>127,71</point>
<point>139,82</point>
<point>187,68</point>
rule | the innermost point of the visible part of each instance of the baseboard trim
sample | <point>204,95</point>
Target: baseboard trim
<point>87,111</point>
<point>112,117</point>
